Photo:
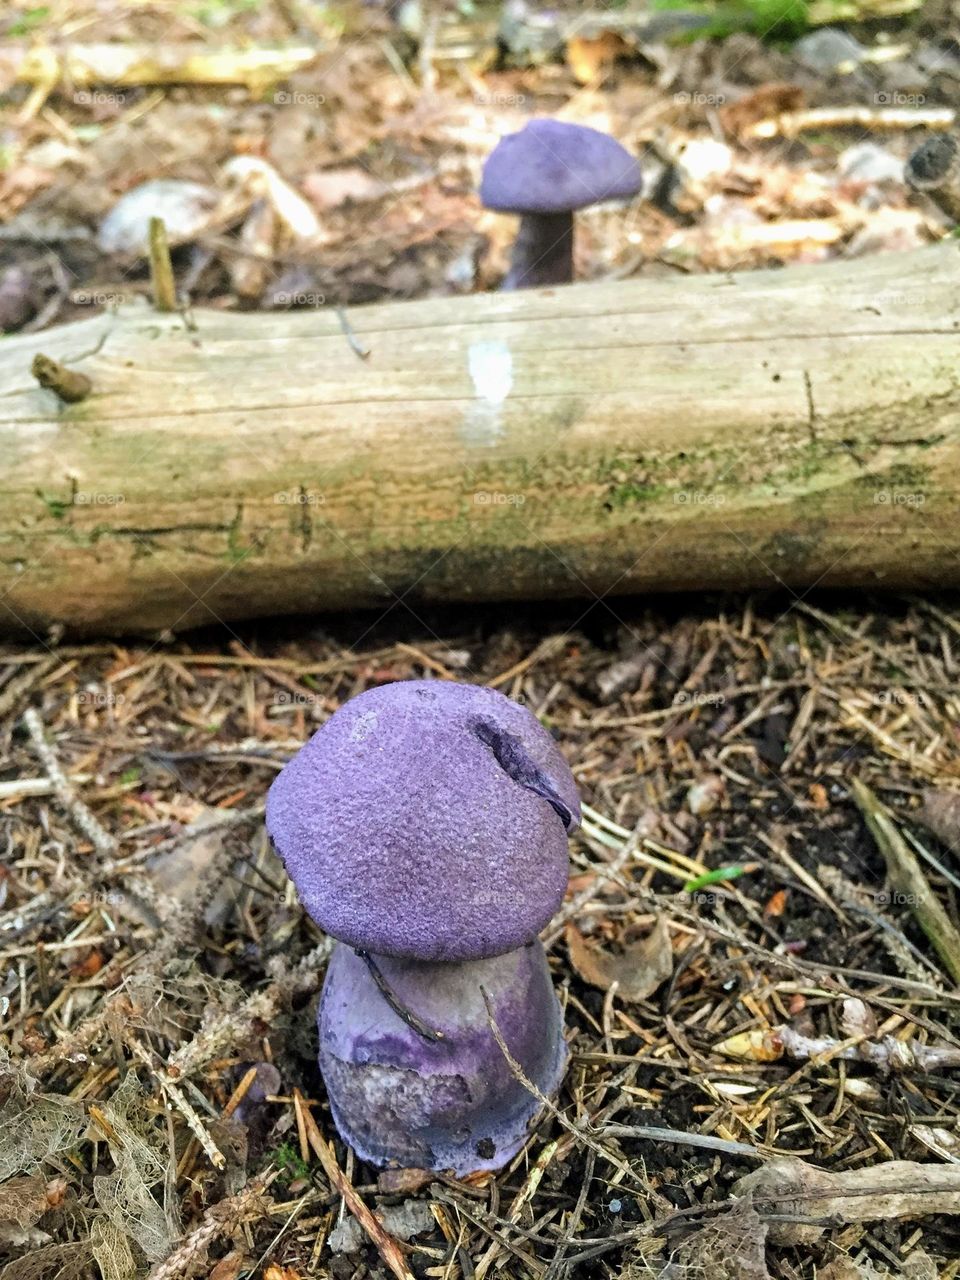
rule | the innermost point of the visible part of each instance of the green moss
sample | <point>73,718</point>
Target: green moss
<point>56,506</point>
<point>290,1163</point>
<point>625,494</point>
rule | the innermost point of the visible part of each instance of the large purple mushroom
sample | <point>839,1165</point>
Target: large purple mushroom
<point>545,173</point>
<point>425,826</point>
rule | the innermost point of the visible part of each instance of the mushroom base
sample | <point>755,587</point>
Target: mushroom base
<point>402,1097</point>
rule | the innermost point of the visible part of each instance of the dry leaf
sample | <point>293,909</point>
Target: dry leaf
<point>404,1181</point>
<point>591,57</point>
<point>777,904</point>
<point>638,971</point>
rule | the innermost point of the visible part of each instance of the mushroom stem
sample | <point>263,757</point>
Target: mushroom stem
<point>543,251</point>
<point>451,1102</point>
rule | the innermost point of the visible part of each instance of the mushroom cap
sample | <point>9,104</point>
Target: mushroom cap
<point>427,820</point>
<point>553,167</point>
<point>400,1099</point>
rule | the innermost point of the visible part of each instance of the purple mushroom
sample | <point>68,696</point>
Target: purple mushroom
<point>545,173</point>
<point>425,826</point>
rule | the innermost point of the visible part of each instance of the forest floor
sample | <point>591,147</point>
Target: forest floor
<point>750,969</point>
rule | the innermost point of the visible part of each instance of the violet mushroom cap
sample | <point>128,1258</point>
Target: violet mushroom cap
<point>427,820</point>
<point>453,1103</point>
<point>544,173</point>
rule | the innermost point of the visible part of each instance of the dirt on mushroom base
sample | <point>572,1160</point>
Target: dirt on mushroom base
<point>730,733</point>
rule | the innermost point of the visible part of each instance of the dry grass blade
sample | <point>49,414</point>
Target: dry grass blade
<point>387,1247</point>
<point>907,877</point>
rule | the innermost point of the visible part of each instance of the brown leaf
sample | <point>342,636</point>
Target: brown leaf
<point>23,1201</point>
<point>637,971</point>
<point>229,1267</point>
<point>591,57</point>
<point>404,1181</point>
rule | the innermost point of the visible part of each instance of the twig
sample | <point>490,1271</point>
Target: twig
<point>194,1123</point>
<point>387,1247</point>
<point>161,268</point>
<point>362,352</point>
<point>653,1133</point>
<point>522,1198</point>
<point>791,123</point>
<point>570,1231</point>
<point>546,1102</point>
<point>219,1220</point>
<point>71,803</point>
<point>773,1043</point>
<point>406,1015</point>
<point>604,872</point>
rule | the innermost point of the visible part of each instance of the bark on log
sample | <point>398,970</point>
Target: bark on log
<point>797,427</point>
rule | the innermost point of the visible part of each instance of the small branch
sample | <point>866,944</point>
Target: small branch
<point>69,384</point>
<point>791,1188</point>
<point>908,879</point>
<point>547,1103</point>
<point>161,269</point>
<point>387,1247</point>
<point>71,803</point>
<point>223,1219</point>
<point>653,1133</point>
<point>406,1015</point>
<point>194,1123</point>
<point>792,123</point>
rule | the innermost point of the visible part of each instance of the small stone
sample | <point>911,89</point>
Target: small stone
<point>829,51</point>
<point>867,162</point>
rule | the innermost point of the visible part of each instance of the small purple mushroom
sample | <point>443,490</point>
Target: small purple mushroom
<point>425,826</point>
<point>545,173</point>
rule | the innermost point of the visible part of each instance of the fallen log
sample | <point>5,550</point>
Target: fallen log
<point>792,427</point>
